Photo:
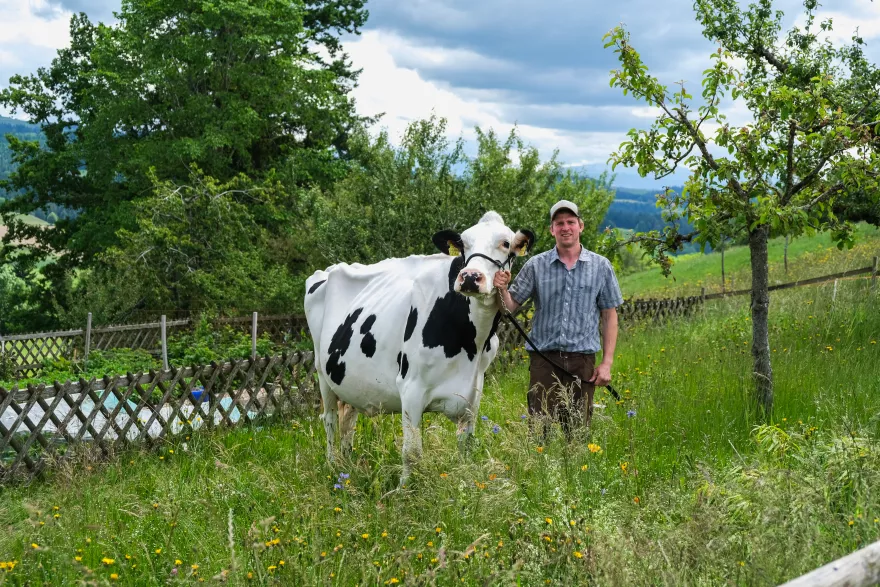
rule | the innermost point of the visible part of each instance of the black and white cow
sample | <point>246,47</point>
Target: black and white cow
<point>411,335</point>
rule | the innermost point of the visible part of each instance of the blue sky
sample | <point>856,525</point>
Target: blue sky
<point>491,63</point>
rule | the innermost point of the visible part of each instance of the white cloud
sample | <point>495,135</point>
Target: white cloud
<point>404,96</point>
<point>22,25</point>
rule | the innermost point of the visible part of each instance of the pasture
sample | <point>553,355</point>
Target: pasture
<point>808,256</point>
<point>678,485</point>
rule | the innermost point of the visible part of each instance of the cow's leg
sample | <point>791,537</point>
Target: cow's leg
<point>347,422</point>
<point>330,416</point>
<point>467,421</point>
<point>412,433</point>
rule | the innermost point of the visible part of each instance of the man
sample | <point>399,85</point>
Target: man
<point>571,288</point>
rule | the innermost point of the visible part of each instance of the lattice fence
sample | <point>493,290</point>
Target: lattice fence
<point>27,352</point>
<point>40,424</point>
<point>659,309</point>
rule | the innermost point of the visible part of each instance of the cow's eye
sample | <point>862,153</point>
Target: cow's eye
<point>506,245</point>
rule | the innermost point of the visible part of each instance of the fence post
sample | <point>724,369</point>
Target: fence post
<point>88,337</point>
<point>164,345</point>
<point>874,275</point>
<point>834,292</point>
<point>254,337</point>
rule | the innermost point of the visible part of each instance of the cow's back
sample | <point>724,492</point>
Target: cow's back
<point>357,315</point>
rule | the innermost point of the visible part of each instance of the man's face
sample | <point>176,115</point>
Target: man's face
<point>567,229</point>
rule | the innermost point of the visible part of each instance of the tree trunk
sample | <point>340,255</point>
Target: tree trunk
<point>786,254</point>
<point>763,371</point>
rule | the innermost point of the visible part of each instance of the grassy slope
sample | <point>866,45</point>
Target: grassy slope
<point>683,493</point>
<point>808,257</point>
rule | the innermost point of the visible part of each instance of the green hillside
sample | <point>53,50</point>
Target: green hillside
<point>807,257</point>
<point>20,129</point>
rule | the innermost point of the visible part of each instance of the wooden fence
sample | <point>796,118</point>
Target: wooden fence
<point>859,569</point>
<point>28,352</point>
<point>42,424</point>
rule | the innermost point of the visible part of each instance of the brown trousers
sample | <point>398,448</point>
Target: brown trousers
<point>555,394</point>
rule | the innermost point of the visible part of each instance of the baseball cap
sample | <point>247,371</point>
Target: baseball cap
<point>564,205</point>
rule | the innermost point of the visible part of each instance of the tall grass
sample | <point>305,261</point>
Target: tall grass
<point>678,485</point>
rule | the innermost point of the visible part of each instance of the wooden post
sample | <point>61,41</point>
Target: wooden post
<point>88,337</point>
<point>164,345</point>
<point>254,336</point>
<point>874,275</point>
<point>834,293</point>
<point>859,569</point>
<point>722,266</point>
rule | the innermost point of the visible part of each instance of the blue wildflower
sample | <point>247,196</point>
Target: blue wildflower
<point>337,486</point>
<point>523,417</point>
<point>496,429</point>
<point>484,418</point>
<point>631,414</point>
<point>343,475</point>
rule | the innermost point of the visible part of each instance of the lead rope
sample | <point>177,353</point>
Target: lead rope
<point>507,314</point>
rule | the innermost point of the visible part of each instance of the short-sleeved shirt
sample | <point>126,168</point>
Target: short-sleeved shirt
<point>567,301</point>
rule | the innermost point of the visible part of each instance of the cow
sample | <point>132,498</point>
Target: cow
<point>410,335</point>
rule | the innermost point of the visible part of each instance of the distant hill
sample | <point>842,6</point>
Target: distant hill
<point>634,209</point>
<point>20,129</point>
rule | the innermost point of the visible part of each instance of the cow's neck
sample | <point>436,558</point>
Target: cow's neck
<point>483,310</point>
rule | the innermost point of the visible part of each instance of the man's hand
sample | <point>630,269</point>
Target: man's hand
<point>502,279</point>
<point>601,375</point>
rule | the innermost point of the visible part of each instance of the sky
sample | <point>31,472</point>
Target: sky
<point>539,66</point>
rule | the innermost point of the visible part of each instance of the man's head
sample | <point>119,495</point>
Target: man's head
<point>566,225</point>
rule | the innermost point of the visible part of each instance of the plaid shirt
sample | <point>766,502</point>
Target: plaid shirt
<point>567,302</point>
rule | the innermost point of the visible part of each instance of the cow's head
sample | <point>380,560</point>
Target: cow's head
<point>486,248</point>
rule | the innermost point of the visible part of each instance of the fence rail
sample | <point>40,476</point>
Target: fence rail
<point>40,424</point>
<point>859,569</point>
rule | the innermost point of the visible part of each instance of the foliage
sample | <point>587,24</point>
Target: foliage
<point>394,199</point>
<point>233,87</point>
<point>204,245</point>
<point>207,343</point>
<point>812,133</point>
<point>717,502</point>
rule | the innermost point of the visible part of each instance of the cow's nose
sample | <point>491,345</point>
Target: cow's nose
<point>470,280</point>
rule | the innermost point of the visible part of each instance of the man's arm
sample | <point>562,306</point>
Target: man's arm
<point>502,278</point>
<point>602,376</point>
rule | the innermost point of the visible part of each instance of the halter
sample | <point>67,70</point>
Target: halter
<point>508,263</point>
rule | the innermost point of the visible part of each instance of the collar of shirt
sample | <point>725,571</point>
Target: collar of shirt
<point>554,254</point>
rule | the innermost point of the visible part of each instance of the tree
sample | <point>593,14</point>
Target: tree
<point>813,134</point>
<point>395,198</point>
<point>234,87</point>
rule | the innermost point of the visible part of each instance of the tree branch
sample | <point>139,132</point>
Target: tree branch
<point>824,195</point>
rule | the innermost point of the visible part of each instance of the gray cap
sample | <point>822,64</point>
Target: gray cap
<point>564,205</point>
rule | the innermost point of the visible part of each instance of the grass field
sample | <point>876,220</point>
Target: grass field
<point>808,257</point>
<point>678,485</point>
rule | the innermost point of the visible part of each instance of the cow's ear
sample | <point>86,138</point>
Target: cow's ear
<point>523,242</point>
<point>449,242</point>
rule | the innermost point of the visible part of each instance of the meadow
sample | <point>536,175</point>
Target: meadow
<point>808,256</point>
<point>679,484</point>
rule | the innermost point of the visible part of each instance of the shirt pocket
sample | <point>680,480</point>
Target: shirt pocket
<point>584,298</point>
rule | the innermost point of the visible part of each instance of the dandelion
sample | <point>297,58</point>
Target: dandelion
<point>584,467</point>
<point>594,448</point>
<point>177,561</point>
<point>107,561</point>
<point>438,530</point>
<point>443,475</point>
<point>78,559</point>
<point>34,545</point>
<point>578,554</point>
<point>195,567</point>
<point>631,414</point>
<point>636,499</point>
<point>337,509</point>
<point>384,534</point>
<point>158,551</point>
<point>623,466</point>
<point>271,568</point>
<point>540,449</point>
<point>365,535</point>
<point>114,576</point>
<point>549,521</point>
